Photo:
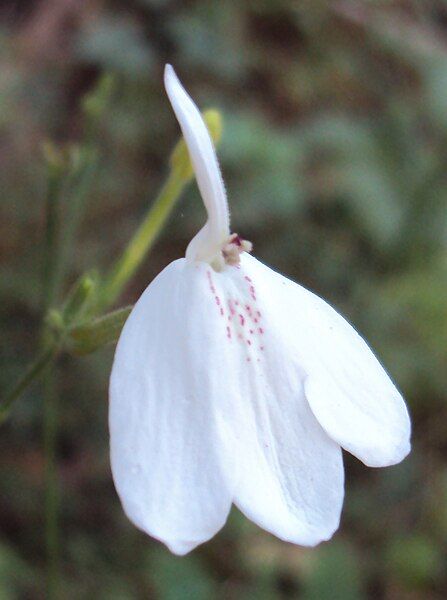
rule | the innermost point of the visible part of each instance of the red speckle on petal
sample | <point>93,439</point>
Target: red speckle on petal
<point>241,320</point>
<point>261,331</point>
<point>210,282</point>
<point>249,342</point>
<point>228,333</point>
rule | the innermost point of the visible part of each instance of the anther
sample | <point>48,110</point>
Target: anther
<point>233,248</point>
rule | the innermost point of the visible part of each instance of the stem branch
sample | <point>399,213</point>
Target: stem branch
<point>33,371</point>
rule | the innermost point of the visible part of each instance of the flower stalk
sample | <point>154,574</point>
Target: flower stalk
<point>180,175</point>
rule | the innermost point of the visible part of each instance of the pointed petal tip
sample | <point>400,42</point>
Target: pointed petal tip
<point>170,78</point>
<point>180,548</point>
<point>169,72</point>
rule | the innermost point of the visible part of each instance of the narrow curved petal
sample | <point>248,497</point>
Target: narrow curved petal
<point>169,461</point>
<point>348,390</point>
<point>289,472</point>
<point>202,153</point>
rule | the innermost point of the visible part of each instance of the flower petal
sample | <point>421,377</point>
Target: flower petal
<point>203,155</point>
<point>169,462</point>
<point>289,472</point>
<point>347,389</point>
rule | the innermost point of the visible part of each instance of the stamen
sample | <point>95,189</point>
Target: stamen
<point>233,248</point>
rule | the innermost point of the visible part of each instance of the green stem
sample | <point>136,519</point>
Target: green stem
<point>50,425</point>
<point>78,185</point>
<point>50,258</point>
<point>144,238</point>
<point>50,287</point>
<point>33,372</point>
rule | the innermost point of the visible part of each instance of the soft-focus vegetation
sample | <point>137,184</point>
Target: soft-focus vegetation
<point>334,152</point>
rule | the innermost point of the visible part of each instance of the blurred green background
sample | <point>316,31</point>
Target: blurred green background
<point>334,154</point>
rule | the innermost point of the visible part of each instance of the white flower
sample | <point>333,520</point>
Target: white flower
<point>232,384</point>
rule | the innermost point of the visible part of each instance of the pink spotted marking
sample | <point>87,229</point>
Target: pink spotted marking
<point>234,326</point>
<point>210,282</point>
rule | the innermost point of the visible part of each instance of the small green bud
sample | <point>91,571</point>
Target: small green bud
<point>78,299</point>
<point>54,325</point>
<point>91,336</point>
<point>95,102</point>
<point>54,156</point>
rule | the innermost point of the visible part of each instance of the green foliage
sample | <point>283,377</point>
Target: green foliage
<point>15,575</point>
<point>414,560</point>
<point>175,578</point>
<point>335,574</point>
